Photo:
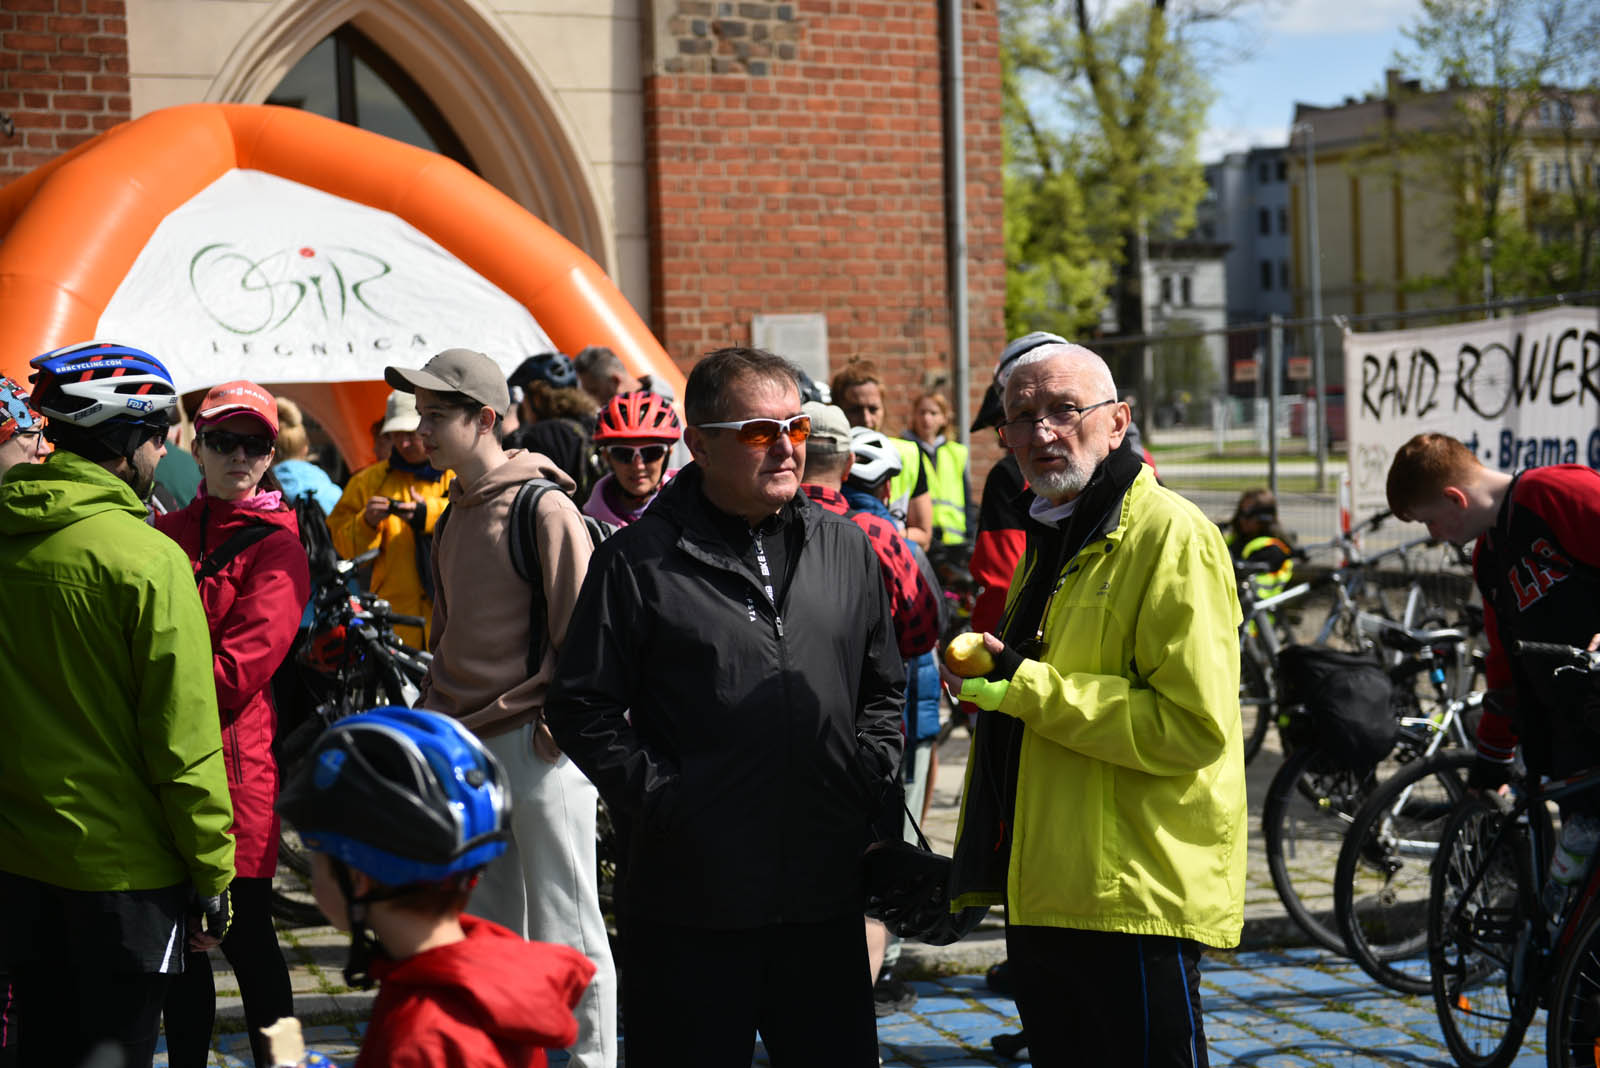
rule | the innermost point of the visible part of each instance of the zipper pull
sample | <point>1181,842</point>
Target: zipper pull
<point>779,620</point>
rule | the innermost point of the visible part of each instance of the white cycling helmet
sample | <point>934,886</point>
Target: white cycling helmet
<point>875,459</point>
<point>98,382</point>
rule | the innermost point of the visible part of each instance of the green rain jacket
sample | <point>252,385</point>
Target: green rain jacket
<point>111,773</point>
<point>1122,797</point>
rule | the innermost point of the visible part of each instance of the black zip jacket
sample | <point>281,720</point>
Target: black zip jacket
<point>742,750</point>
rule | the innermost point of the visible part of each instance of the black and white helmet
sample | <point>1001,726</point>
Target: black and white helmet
<point>876,459</point>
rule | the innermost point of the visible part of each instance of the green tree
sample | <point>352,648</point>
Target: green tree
<point>1103,114</point>
<point>1499,66</point>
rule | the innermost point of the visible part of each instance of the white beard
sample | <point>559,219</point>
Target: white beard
<point>1059,484</point>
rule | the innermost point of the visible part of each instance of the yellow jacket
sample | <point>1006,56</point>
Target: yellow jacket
<point>394,573</point>
<point>1129,810</point>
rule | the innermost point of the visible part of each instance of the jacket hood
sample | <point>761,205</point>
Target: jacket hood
<point>63,489</point>
<point>520,466</point>
<point>516,991</point>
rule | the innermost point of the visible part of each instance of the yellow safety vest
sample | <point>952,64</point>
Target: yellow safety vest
<point>901,485</point>
<point>947,483</point>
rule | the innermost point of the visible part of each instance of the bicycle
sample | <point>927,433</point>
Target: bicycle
<point>1264,633</point>
<point>1493,945</point>
<point>1384,875</point>
<point>349,661</point>
<point>1314,798</point>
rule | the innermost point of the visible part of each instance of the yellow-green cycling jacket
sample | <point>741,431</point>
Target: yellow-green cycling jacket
<point>1108,792</point>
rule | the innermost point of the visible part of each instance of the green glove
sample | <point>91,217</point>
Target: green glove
<point>985,693</point>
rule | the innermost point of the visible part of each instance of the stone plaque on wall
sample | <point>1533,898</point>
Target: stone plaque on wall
<point>801,339</point>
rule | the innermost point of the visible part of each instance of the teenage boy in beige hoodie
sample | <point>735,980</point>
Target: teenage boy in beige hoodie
<point>544,886</point>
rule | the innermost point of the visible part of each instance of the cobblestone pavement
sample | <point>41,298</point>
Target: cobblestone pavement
<point>1271,1004</point>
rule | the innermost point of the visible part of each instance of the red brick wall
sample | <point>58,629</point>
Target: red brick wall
<point>63,76</point>
<point>796,164</point>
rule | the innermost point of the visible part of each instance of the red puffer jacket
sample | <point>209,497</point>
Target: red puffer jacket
<point>253,605</point>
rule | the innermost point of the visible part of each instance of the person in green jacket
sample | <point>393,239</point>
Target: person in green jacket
<point>114,843</point>
<point>1105,799</point>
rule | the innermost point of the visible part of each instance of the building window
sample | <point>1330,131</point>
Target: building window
<point>1185,290</point>
<point>1283,171</point>
<point>1508,180</point>
<point>348,77</point>
<point>1266,274</point>
<point>1283,220</point>
<point>1264,221</point>
<point>1166,289</point>
<point>1264,173</point>
<point>1283,274</point>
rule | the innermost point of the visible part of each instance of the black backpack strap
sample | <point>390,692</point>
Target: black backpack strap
<point>237,543</point>
<point>524,539</point>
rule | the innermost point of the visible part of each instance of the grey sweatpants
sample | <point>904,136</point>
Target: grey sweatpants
<point>543,887</point>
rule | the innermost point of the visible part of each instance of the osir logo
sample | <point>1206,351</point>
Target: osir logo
<point>249,295</point>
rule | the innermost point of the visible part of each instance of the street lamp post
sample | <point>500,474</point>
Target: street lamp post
<point>1315,256</point>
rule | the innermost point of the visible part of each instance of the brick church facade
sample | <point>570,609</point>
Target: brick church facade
<point>721,161</point>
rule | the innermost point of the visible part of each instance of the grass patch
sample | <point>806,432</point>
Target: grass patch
<point>1239,482</point>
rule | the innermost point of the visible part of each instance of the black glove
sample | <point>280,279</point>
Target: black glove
<point>216,914</point>
<point>1486,774</point>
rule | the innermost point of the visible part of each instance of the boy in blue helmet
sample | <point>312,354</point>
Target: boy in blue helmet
<point>403,808</point>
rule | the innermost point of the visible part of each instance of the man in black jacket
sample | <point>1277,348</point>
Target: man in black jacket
<point>736,698</point>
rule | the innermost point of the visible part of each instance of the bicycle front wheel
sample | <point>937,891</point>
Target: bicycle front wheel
<point>1573,1030</point>
<point>1308,809</point>
<point>1477,915</point>
<point>1381,886</point>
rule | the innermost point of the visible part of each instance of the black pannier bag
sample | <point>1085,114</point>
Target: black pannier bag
<point>1340,702</point>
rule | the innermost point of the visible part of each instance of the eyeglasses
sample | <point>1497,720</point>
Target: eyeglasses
<point>1063,418</point>
<point>223,442</point>
<point>762,433</point>
<point>627,454</point>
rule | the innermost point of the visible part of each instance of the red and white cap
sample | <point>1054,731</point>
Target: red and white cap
<point>238,398</point>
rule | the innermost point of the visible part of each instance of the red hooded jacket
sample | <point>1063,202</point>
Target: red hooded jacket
<point>253,605</point>
<point>495,1000</point>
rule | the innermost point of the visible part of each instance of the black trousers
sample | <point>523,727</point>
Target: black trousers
<point>251,946</point>
<point>693,995</point>
<point>87,970</point>
<point>1107,998</point>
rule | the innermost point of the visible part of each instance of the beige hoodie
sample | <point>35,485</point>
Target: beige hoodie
<point>479,637</point>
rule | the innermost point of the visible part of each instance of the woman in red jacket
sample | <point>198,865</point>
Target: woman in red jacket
<point>253,580</point>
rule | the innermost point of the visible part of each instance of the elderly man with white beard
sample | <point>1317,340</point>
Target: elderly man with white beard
<point>1105,804</point>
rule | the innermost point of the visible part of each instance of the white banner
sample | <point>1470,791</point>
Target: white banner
<point>1521,391</point>
<point>262,278</point>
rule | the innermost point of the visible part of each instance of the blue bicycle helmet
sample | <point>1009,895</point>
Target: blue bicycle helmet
<point>97,382</point>
<point>17,413</point>
<point>404,795</point>
<point>554,368</point>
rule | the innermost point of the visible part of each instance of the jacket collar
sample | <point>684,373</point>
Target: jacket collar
<point>683,503</point>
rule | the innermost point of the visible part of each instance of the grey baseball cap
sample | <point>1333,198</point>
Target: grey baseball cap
<point>829,424</point>
<point>456,371</point>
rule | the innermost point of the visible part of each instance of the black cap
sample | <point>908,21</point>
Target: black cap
<point>992,410</point>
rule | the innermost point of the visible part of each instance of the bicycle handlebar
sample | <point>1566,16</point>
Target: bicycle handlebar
<point>1555,651</point>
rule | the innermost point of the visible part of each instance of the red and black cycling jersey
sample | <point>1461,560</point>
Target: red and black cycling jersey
<point>911,603</point>
<point>1538,569</point>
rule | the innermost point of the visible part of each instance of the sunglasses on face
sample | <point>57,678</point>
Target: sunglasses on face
<point>223,442</point>
<point>626,454</point>
<point>762,433</point>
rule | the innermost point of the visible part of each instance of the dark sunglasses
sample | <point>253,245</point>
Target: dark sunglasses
<point>626,454</point>
<point>762,433</point>
<point>223,442</point>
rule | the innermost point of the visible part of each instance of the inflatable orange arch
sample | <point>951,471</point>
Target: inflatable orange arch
<point>71,230</point>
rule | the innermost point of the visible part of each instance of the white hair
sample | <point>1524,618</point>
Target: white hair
<point>1090,360</point>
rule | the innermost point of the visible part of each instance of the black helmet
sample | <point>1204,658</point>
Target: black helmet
<point>907,887</point>
<point>552,367</point>
<point>810,390</point>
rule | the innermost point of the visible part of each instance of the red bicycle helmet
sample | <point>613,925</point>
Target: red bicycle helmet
<point>639,416</point>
